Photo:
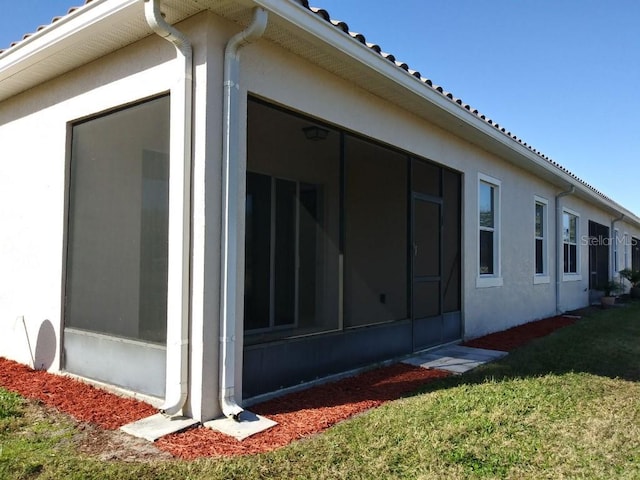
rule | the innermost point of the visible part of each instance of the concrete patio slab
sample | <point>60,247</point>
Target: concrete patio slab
<point>248,424</point>
<point>156,426</point>
<point>455,358</point>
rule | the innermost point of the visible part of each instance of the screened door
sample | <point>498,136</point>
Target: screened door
<point>426,272</point>
<point>598,255</point>
<point>435,265</point>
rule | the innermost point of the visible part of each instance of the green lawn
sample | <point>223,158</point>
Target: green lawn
<point>566,406</point>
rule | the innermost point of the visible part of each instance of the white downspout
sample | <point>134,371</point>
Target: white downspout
<point>229,227</point>
<point>559,267</point>
<point>179,213</point>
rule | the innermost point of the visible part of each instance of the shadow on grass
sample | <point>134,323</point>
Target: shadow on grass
<point>604,343</point>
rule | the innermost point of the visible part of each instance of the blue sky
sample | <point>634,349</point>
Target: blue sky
<point>563,75</point>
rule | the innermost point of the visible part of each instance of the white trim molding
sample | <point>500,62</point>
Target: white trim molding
<point>493,279</point>
<point>577,275</point>
<point>543,277</point>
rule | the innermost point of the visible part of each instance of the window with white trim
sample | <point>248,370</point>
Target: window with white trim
<point>489,227</point>
<point>570,242</point>
<point>626,246</point>
<point>540,236</point>
<point>616,239</point>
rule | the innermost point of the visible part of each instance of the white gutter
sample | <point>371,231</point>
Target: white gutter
<point>559,267</point>
<point>229,228</point>
<point>179,213</point>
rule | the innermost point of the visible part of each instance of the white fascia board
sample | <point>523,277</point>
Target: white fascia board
<point>331,36</point>
<point>335,39</point>
<point>56,36</point>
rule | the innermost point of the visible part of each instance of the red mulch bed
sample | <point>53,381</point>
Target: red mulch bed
<point>508,340</point>
<point>305,413</point>
<point>299,414</point>
<point>80,400</point>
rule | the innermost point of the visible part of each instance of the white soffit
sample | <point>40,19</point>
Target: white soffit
<point>88,33</point>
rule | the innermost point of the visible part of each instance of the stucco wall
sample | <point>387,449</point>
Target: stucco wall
<point>35,138</point>
<point>34,134</point>
<point>575,293</point>
<point>284,78</point>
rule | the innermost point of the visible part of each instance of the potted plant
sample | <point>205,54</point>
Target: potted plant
<point>633,276</point>
<point>610,288</point>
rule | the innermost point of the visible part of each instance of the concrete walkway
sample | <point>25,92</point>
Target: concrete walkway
<point>455,358</point>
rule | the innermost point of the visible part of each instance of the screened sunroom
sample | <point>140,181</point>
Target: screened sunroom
<point>352,251</point>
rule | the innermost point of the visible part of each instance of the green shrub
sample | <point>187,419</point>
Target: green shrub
<point>632,275</point>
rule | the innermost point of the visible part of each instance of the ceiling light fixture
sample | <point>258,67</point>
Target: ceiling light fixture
<point>315,133</point>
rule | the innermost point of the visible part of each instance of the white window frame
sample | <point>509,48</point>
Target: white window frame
<point>627,250</point>
<point>272,260</point>
<point>577,275</point>
<point>615,259</point>
<point>540,278</point>
<point>493,279</point>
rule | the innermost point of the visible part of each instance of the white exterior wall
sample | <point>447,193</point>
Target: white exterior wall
<point>285,79</point>
<point>521,297</point>
<point>575,289</point>
<point>626,232</point>
<point>34,134</point>
<point>34,129</point>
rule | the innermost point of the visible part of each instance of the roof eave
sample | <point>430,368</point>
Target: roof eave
<point>47,36</point>
<point>58,36</point>
<point>442,110</point>
<point>408,90</point>
<point>87,33</point>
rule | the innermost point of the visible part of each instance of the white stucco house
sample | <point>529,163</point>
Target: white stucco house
<point>205,201</point>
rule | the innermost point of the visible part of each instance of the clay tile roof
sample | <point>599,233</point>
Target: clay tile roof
<point>360,38</point>
<point>322,13</point>
<point>341,25</point>
<point>374,47</point>
<point>389,57</point>
<point>42,27</point>
<point>426,81</point>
